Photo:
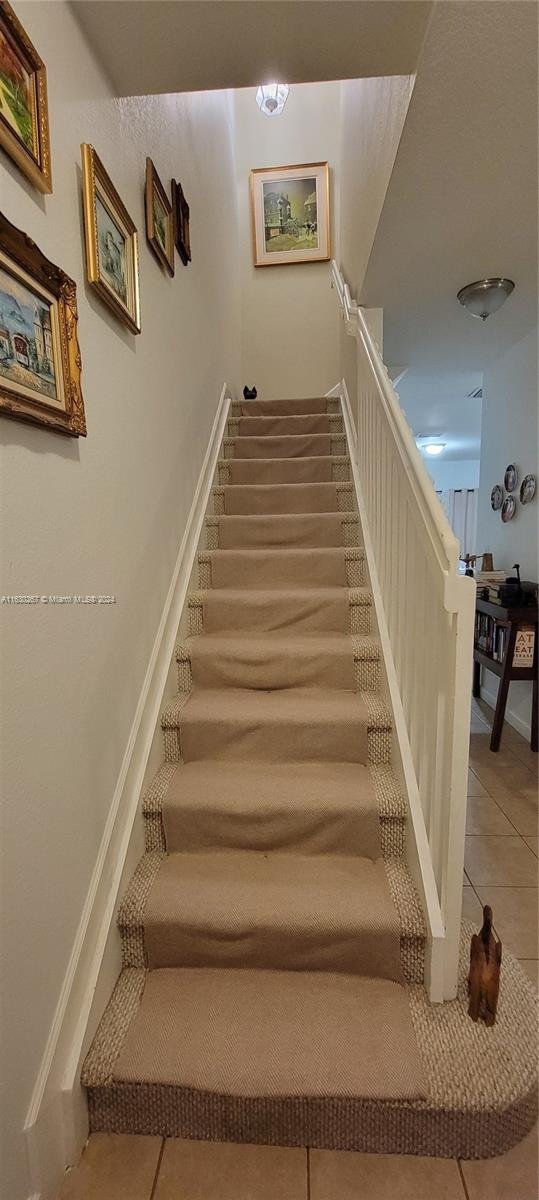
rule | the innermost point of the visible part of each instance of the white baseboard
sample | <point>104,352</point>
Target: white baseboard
<point>56,1124</point>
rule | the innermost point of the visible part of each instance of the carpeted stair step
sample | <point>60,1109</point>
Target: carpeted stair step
<point>282,498</point>
<point>317,469</point>
<point>317,808</point>
<point>259,1034</point>
<point>292,445</point>
<point>301,610</point>
<point>329,566</point>
<point>250,910</point>
<point>291,808</point>
<point>285,408</point>
<point>285,426</point>
<point>275,660</point>
<point>295,725</point>
<point>281,531</point>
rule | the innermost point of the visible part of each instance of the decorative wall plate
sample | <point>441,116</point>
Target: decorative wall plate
<point>510,478</point>
<point>508,509</point>
<point>496,497</point>
<point>527,489</point>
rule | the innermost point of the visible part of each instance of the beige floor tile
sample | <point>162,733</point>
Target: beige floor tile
<point>501,861</point>
<point>226,1171</point>
<point>522,810</point>
<point>503,777</point>
<point>511,1176</point>
<point>114,1167</point>
<point>531,967</point>
<point>471,906</point>
<point>532,842</point>
<point>484,816</point>
<point>475,787</point>
<point>342,1175</point>
<point>515,917</point>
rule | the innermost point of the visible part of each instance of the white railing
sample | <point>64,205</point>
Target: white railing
<point>429,613</point>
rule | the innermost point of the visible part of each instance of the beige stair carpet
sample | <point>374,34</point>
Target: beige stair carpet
<point>284,408</point>
<point>272,609</point>
<point>280,498</point>
<point>292,445</point>
<point>272,661</point>
<point>272,531</point>
<point>279,568</point>
<point>280,470</point>
<point>276,426</point>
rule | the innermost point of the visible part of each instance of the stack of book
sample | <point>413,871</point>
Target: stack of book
<point>490,636</point>
<point>489,584</point>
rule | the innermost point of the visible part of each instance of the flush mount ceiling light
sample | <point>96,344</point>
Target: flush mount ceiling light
<point>434,448</point>
<point>485,297</point>
<point>271,98</point>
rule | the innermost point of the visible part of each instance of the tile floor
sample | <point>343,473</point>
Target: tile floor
<point>501,870</point>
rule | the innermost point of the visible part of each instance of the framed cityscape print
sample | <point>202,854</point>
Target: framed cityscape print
<point>159,219</point>
<point>40,363</point>
<point>111,242</point>
<point>24,114</point>
<point>290,214</point>
<point>182,234</point>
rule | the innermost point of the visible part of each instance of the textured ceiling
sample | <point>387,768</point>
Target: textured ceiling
<point>461,205</point>
<point>153,46</point>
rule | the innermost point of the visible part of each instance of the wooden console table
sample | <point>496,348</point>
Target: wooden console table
<point>513,619</point>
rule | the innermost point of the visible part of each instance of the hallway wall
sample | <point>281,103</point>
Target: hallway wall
<point>290,324</point>
<point>104,514</point>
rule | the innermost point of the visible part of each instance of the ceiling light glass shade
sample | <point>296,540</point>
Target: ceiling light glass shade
<point>485,297</point>
<point>434,448</point>
<point>271,98</point>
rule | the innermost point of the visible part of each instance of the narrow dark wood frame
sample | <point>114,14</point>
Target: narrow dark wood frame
<point>153,184</point>
<point>38,168</point>
<point>23,252</point>
<point>182,234</point>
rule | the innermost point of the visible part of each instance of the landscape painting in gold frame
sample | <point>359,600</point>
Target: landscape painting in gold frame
<point>24,114</point>
<point>40,362</point>
<point>290,214</point>
<point>159,219</point>
<point>111,242</point>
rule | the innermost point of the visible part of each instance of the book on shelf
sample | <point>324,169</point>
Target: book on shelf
<point>491,636</point>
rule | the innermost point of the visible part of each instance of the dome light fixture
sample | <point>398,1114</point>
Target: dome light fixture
<point>485,296</point>
<point>271,98</point>
<point>434,448</point>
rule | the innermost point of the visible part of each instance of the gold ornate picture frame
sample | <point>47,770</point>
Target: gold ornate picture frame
<point>290,214</point>
<point>24,113</point>
<point>40,361</point>
<point>159,219</point>
<point>112,261</point>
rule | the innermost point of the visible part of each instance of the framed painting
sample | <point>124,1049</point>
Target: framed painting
<point>40,363</point>
<point>24,114</point>
<point>182,234</point>
<point>111,242</point>
<point>290,214</point>
<point>159,219</point>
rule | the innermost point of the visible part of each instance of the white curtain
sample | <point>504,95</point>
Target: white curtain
<point>460,507</point>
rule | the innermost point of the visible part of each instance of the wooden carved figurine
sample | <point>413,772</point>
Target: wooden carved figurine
<point>484,977</point>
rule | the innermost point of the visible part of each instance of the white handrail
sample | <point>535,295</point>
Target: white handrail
<point>428,610</point>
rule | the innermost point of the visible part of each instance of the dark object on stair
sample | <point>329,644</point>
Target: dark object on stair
<point>250,393</point>
<point>484,977</point>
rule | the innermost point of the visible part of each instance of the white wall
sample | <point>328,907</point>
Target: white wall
<point>373,112</point>
<point>290,326</point>
<point>509,433</point>
<point>100,515</point>
<point>457,473</point>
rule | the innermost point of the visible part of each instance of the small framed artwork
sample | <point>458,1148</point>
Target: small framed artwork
<point>24,114</point>
<point>508,509</point>
<point>496,497</point>
<point>40,362</point>
<point>527,489</point>
<point>290,214</point>
<point>182,233</point>
<point>111,242</point>
<point>510,478</point>
<point>159,219</point>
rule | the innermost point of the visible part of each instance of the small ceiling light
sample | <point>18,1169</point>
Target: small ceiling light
<point>271,98</point>
<point>485,297</point>
<point>434,448</point>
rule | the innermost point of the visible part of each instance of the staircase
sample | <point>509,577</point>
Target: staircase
<point>273,941</point>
